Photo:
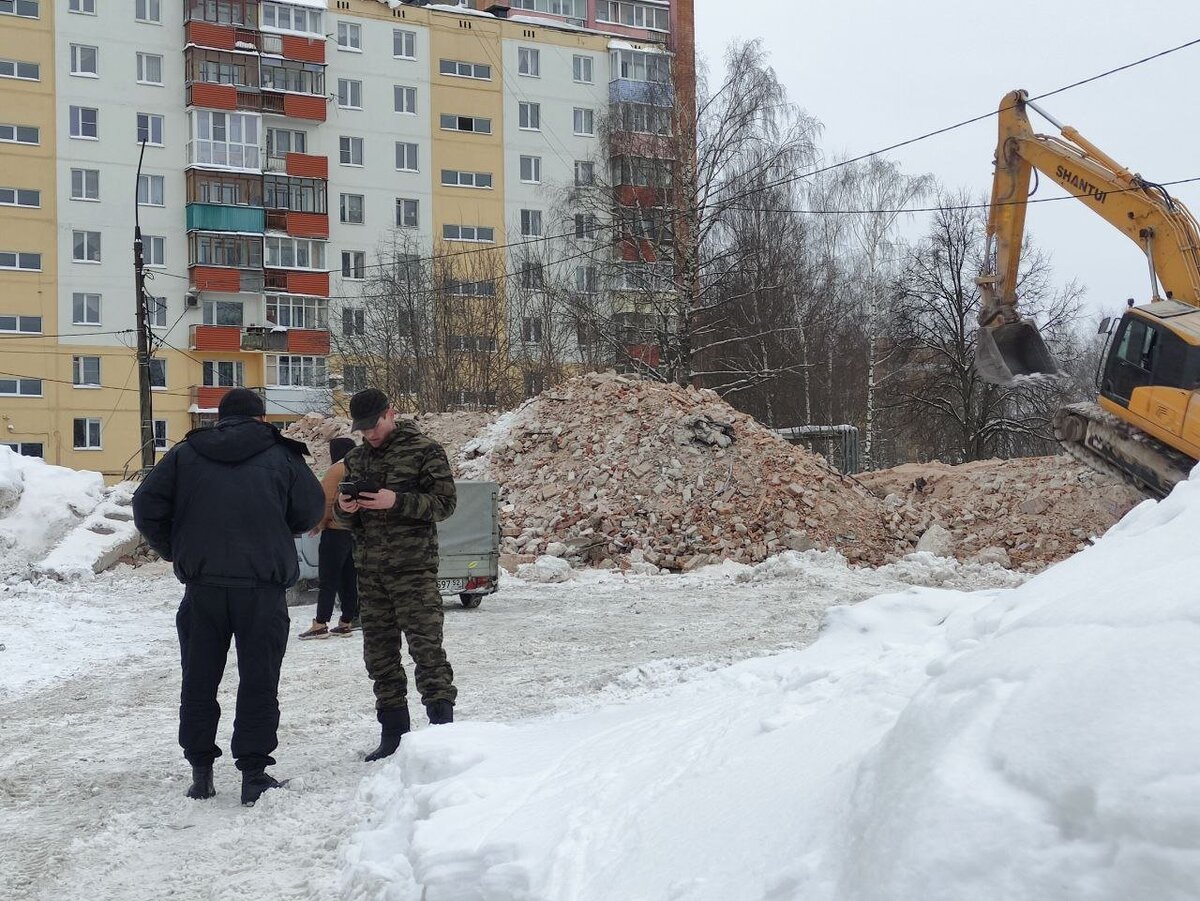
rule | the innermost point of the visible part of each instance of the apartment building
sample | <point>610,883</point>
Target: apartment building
<point>281,146</point>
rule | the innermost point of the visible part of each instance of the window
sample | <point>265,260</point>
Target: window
<point>354,264</point>
<point>160,434</point>
<point>225,139</point>
<point>87,434</point>
<point>87,7</point>
<point>581,68</point>
<point>404,44</point>
<point>27,448</point>
<point>223,312</point>
<point>19,134</point>
<point>479,343</point>
<point>13,259</point>
<point>351,208</point>
<point>296,372</point>
<point>296,77</point>
<point>225,249</point>
<point>154,250</point>
<point>633,15</point>
<point>150,190</point>
<point>85,61</point>
<point>85,122</point>
<point>85,184</point>
<point>15,387</point>
<point>529,116</point>
<point>529,62</point>
<point>406,213</point>
<point>349,36</point>
<point>574,9</point>
<point>405,99</point>
<point>294,253</point>
<point>638,66</point>
<point>478,233</point>
<point>85,247</point>
<point>585,279</point>
<point>531,223</point>
<point>466,123</point>
<point>532,277</point>
<point>282,141</point>
<point>20,197</point>
<point>455,178</point>
<point>585,225</point>
<point>585,173</point>
<point>354,377</point>
<point>149,68</point>
<point>12,68</point>
<point>85,309</point>
<point>354,321</point>
<point>484,288</point>
<point>297,312</point>
<point>349,93</point>
<point>406,157</point>
<point>304,195</point>
<point>224,374</point>
<point>156,312</point>
<point>290,18</point>
<point>148,11</point>
<point>158,373</point>
<point>531,330</point>
<point>535,383</point>
<point>350,151</point>
<point>585,120</point>
<point>531,170</point>
<point>85,372</point>
<point>150,129</point>
<point>22,325</point>
<point>465,70</point>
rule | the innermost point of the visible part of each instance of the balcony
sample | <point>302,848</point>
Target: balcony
<point>263,339</point>
<point>216,337</point>
<point>300,225</point>
<point>297,401</point>
<point>300,165</point>
<point>206,398</point>
<point>292,46</point>
<point>214,217</point>
<point>307,340</point>
<point>223,155</point>
<point>653,93</point>
<point>293,281</point>
<point>228,281</point>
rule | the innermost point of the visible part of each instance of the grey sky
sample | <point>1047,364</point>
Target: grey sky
<point>876,73</point>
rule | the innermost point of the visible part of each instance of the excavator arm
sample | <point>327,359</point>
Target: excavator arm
<point>1009,346</point>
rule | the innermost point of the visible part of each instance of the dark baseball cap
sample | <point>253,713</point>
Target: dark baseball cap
<point>366,407</point>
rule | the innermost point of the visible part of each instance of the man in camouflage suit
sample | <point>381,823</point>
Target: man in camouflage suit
<point>405,488</point>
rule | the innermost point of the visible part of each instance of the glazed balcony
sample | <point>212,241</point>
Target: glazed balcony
<point>301,165</point>
<point>299,225</point>
<point>215,217</point>
<point>294,46</point>
<point>226,280</point>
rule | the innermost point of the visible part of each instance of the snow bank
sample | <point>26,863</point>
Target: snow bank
<point>1038,742</point>
<point>39,503</point>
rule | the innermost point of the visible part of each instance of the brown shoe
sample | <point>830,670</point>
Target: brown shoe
<point>342,628</point>
<point>316,630</point>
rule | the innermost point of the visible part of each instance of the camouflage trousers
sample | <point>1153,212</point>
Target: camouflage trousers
<point>392,605</point>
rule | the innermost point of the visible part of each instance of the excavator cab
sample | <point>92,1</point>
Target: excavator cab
<point>1006,352</point>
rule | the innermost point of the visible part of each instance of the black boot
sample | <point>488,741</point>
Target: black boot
<point>440,712</point>
<point>393,723</point>
<point>255,782</point>
<point>202,783</point>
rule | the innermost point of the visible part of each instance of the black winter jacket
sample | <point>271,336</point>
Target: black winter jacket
<point>224,503</point>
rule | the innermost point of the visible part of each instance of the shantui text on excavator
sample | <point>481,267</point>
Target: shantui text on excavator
<point>1145,425</point>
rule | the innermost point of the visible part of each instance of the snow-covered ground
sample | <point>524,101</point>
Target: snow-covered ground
<point>682,738</point>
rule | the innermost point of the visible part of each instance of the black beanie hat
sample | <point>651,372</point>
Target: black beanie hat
<point>241,402</point>
<point>339,447</point>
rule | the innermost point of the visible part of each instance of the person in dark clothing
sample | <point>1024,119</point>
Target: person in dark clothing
<point>223,506</point>
<point>335,555</point>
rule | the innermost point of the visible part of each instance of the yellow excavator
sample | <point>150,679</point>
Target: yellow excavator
<point>1145,425</point>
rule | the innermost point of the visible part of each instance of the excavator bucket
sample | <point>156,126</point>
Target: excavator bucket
<point>1005,352</point>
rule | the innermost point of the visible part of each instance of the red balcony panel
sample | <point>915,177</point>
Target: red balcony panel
<point>205,34</point>
<point>626,143</point>
<point>644,353</point>
<point>638,250</point>
<point>308,341</point>
<point>309,50</point>
<point>207,398</point>
<point>215,278</point>
<point>308,225</point>
<point>305,165</point>
<point>213,96</point>
<point>216,337</point>
<point>303,106</point>
<point>640,196</point>
<point>315,283</point>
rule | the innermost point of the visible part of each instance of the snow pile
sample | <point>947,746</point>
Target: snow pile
<point>1027,512</point>
<point>609,470</point>
<point>106,535</point>
<point>1039,742</point>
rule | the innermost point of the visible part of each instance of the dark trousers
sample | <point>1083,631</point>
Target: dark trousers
<point>257,619</point>
<point>335,569</point>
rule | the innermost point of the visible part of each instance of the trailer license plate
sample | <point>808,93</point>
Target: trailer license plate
<point>451,585</point>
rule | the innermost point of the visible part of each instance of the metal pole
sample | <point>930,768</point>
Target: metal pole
<point>145,398</point>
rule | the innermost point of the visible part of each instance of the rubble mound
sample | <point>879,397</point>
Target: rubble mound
<point>451,430</point>
<point>612,471</point>
<point>1026,512</point>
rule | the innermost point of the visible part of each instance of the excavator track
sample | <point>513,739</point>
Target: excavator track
<point>1112,446</point>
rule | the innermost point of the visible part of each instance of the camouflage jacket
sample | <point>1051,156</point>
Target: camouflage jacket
<point>415,467</point>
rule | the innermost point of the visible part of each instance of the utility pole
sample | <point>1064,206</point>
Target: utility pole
<point>145,398</point>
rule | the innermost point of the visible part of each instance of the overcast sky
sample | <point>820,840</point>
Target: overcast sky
<point>877,72</point>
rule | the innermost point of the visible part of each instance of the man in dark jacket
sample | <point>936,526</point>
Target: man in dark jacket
<point>406,487</point>
<point>222,506</point>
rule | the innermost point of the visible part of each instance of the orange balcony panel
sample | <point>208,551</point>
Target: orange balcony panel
<point>213,96</point>
<point>644,353</point>
<point>307,49</point>
<point>207,398</point>
<point>638,250</point>
<point>305,165</point>
<point>316,283</point>
<point>215,278</point>
<point>303,106</point>
<point>308,341</point>
<point>308,225</point>
<point>216,337</point>
<point>205,34</point>
<point>639,196</point>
